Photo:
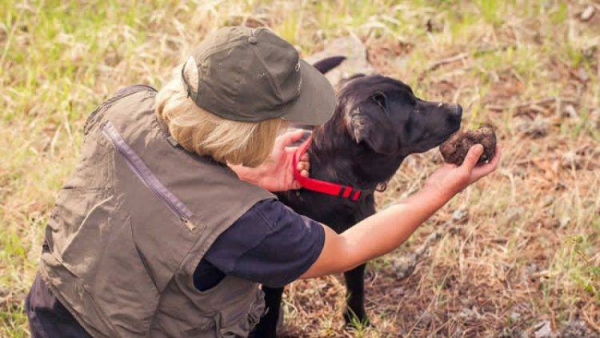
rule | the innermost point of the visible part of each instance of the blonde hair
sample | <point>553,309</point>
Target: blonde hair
<point>199,131</point>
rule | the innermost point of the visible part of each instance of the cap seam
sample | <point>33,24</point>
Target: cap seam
<point>217,49</point>
<point>271,82</point>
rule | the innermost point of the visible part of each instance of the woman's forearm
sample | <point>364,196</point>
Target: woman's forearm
<point>377,234</point>
<point>390,228</point>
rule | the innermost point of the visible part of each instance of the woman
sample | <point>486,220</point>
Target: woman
<point>155,235</point>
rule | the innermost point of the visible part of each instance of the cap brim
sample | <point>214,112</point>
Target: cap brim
<point>316,102</point>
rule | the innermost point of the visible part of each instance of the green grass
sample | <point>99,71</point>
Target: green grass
<point>60,59</point>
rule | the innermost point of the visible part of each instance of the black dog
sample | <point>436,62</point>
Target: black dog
<point>377,123</point>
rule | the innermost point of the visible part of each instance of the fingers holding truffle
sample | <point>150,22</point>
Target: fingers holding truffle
<point>455,149</point>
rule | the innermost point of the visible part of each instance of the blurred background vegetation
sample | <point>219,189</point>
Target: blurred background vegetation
<point>524,260</point>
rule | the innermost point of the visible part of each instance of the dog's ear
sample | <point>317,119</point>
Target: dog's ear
<point>369,123</point>
<point>329,63</point>
<point>381,101</point>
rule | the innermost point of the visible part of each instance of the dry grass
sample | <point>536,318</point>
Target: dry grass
<point>529,249</point>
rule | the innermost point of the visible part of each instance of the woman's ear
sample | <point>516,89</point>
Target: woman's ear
<point>369,123</point>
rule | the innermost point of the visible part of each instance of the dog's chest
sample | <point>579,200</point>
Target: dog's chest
<point>335,212</point>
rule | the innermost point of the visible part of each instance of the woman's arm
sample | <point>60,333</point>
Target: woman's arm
<point>388,229</point>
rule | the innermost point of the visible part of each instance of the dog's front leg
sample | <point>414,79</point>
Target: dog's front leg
<point>267,327</point>
<point>355,288</point>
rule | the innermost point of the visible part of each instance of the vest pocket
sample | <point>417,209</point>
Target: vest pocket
<point>110,282</point>
<point>239,321</point>
<point>204,325</point>
<point>79,215</point>
<point>139,168</point>
<point>235,306</point>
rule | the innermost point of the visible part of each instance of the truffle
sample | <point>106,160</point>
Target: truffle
<point>455,149</point>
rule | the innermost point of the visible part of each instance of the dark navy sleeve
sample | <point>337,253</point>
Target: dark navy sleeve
<point>269,244</point>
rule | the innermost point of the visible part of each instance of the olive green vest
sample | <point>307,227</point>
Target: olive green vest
<point>133,222</point>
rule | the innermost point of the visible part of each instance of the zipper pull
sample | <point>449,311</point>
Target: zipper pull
<point>187,223</point>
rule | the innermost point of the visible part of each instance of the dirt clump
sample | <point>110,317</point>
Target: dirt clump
<point>455,149</point>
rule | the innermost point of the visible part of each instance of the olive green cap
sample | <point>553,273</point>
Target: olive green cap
<point>251,75</point>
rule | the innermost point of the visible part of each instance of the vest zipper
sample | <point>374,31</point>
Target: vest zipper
<point>135,163</point>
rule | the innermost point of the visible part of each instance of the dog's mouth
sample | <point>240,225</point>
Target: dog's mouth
<point>454,131</point>
<point>447,136</point>
<point>451,119</point>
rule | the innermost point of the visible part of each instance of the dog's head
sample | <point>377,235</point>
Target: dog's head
<point>384,115</point>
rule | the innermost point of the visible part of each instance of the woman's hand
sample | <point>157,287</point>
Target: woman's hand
<point>451,179</point>
<point>277,173</point>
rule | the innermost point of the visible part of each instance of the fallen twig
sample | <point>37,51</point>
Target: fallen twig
<point>442,62</point>
<point>446,61</point>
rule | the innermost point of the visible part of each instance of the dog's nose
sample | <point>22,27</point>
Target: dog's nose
<point>456,110</point>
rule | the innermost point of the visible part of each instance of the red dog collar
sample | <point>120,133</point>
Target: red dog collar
<point>322,186</point>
